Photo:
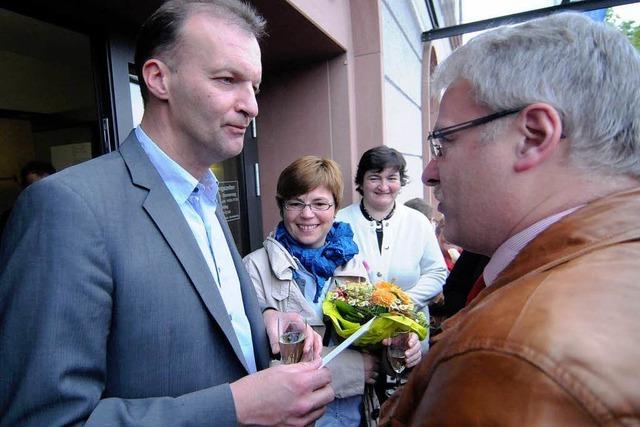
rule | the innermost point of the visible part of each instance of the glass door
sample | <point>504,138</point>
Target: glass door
<point>238,178</point>
<point>48,108</point>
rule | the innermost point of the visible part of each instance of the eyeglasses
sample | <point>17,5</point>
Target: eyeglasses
<point>436,135</point>
<point>296,206</point>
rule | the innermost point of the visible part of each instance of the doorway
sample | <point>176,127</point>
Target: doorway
<point>48,107</point>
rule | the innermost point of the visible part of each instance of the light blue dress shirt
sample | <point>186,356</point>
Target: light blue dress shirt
<point>198,203</point>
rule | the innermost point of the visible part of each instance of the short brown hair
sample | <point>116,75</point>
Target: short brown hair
<point>306,174</point>
<point>160,33</point>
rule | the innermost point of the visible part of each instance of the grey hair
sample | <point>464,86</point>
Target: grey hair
<point>589,72</point>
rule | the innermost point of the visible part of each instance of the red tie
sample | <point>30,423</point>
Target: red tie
<point>478,286</point>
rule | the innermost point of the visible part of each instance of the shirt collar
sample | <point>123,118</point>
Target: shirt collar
<point>514,244</point>
<point>179,182</point>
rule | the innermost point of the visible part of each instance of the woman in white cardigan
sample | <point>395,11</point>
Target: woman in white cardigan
<point>398,243</point>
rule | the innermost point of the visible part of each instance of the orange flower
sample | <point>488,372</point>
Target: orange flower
<point>403,296</point>
<point>383,297</point>
<point>395,290</point>
<point>385,285</point>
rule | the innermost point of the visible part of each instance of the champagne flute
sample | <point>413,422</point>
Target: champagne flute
<point>291,335</point>
<point>396,354</point>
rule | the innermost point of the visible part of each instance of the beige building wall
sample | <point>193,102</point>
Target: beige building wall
<point>331,16</point>
<point>402,27</point>
<point>329,107</point>
<point>368,77</point>
<point>295,120</point>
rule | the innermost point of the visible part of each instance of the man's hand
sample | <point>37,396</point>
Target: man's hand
<point>312,341</point>
<point>289,395</point>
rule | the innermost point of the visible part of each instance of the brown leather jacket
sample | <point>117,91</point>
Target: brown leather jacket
<point>555,341</point>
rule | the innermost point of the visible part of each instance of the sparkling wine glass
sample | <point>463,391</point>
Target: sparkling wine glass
<point>291,335</point>
<point>396,354</point>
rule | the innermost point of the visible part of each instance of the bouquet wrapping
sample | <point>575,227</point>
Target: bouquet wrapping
<point>351,304</point>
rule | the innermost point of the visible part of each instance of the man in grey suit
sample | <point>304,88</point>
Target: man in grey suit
<point>123,300</point>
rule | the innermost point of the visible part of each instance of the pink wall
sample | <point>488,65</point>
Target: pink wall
<point>294,121</point>
<point>329,108</point>
<point>368,78</point>
<point>332,16</point>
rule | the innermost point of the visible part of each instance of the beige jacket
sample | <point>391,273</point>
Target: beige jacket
<point>271,270</point>
<point>554,341</point>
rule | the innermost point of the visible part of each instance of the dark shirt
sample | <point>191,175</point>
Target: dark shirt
<point>462,277</point>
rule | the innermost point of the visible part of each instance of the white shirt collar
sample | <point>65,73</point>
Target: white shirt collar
<point>179,182</point>
<point>514,244</point>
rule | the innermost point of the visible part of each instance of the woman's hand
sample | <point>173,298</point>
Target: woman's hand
<point>413,354</point>
<point>371,368</point>
<point>312,341</point>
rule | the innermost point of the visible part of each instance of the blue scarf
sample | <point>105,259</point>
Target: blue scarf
<point>338,249</point>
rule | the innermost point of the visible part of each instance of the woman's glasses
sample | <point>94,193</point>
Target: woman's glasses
<point>297,206</point>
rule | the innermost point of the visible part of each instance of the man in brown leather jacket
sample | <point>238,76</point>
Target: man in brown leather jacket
<point>536,163</point>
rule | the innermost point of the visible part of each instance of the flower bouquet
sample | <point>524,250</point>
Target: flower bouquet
<point>350,305</point>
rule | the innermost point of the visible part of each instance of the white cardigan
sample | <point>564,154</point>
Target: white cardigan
<point>410,257</point>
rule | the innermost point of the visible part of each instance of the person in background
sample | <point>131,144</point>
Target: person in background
<point>306,256</point>
<point>31,172</point>
<point>456,288</point>
<point>398,243</point>
<point>123,299</point>
<point>34,171</point>
<point>420,205</point>
<point>450,252</point>
<point>537,165</point>
<point>443,305</point>
<point>464,269</point>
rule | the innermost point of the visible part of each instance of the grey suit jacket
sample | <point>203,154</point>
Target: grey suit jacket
<point>108,312</point>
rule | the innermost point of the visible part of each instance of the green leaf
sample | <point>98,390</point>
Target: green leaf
<point>344,308</point>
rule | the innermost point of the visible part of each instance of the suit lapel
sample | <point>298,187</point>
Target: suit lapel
<point>249,299</point>
<point>167,216</point>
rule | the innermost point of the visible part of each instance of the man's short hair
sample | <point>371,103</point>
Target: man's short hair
<point>588,71</point>
<point>160,33</point>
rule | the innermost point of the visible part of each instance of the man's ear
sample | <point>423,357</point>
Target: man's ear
<point>156,75</point>
<point>541,129</point>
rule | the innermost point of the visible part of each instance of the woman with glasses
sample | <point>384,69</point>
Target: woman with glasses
<point>398,243</point>
<point>304,257</point>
